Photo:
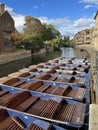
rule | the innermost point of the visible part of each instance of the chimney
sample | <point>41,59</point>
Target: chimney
<point>2,8</point>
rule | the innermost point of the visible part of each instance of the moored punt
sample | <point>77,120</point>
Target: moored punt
<point>64,64</point>
<point>59,71</point>
<point>71,80</point>
<point>15,120</point>
<point>72,67</point>
<point>72,60</point>
<point>51,88</point>
<point>56,110</point>
<point>83,62</point>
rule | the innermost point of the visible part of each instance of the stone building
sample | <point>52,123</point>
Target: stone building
<point>6,29</point>
<point>96,31</point>
<point>83,37</point>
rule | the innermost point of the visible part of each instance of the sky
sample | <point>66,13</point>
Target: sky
<point>67,16</point>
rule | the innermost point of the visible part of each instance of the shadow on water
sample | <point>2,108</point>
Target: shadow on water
<point>11,67</point>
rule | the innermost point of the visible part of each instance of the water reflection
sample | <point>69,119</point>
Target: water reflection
<point>67,52</point>
<point>8,68</point>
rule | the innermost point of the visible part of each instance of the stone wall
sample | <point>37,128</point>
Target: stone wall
<point>12,56</point>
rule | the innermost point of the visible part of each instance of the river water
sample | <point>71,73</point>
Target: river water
<point>14,66</point>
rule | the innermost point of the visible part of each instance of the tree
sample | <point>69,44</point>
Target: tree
<point>32,26</point>
<point>16,39</point>
<point>66,42</point>
<point>32,42</point>
<point>49,32</point>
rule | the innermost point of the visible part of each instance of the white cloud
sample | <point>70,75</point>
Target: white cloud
<point>84,23</point>
<point>64,25</point>
<point>58,22</point>
<point>90,1</point>
<point>87,6</point>
<point>67,27</point>
<point>18,18</point>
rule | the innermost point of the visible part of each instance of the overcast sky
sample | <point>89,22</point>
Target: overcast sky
<point>68,16</point>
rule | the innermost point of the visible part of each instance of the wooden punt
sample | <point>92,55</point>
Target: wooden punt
<point>60,72</point>
<point>14,120</point>
<point>72,59</point>
<point>56,89</point>
<point>61,67</point>
<point>47,65</point>
<point>58,78</point>
<point>56,110</point>
<point>72,80</point>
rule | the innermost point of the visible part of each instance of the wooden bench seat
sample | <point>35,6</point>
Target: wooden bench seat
<point>49,90</point>
<point>5,98</point>
<point>11,81</point>
<point>3,92</point>
<point>35,85</point>
<point>26,104</point>
<point>17,99</point>
<point>52,78</point>
<point>58,91</point>
<point>18,83</point>
<point>44,77</point>
<point>42,88</point>
<point>72,93</point>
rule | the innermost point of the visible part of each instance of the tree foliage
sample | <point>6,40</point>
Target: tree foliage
<point>16,39</point>
<point>66,42</point>
<point>49,32</point>
<point>32,42</point>
<point>32,26</point>
<point>37,34</point>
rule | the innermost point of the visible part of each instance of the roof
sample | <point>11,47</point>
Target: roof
<point>96,14</point>
<point>7,13</point>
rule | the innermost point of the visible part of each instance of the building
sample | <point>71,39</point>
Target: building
<point>96,31</point>
<point>6,29</point>
<point>79,38</point>
<point>84,37</point>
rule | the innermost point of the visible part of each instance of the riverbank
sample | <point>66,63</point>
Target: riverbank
<point>13,56</point>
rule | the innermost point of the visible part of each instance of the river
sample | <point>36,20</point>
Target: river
<point>14,66</point>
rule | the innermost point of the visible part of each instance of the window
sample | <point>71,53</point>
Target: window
<point>6,34</point>
<point>7,23</point>
<point>87,32</point>
<point>87,38</point>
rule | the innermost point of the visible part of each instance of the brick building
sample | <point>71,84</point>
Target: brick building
<point>6,29</point>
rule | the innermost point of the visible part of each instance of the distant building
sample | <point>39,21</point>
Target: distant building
<point>83,37</point>
<point>96,30</point>
<point>6,29</point>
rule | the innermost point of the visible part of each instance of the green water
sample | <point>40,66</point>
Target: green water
<point>14,66</point>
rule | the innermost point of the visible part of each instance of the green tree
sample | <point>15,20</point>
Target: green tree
<point>16,39</point>
<point>32,26</point>
<point>49,32</point>
<point>32,42</point>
